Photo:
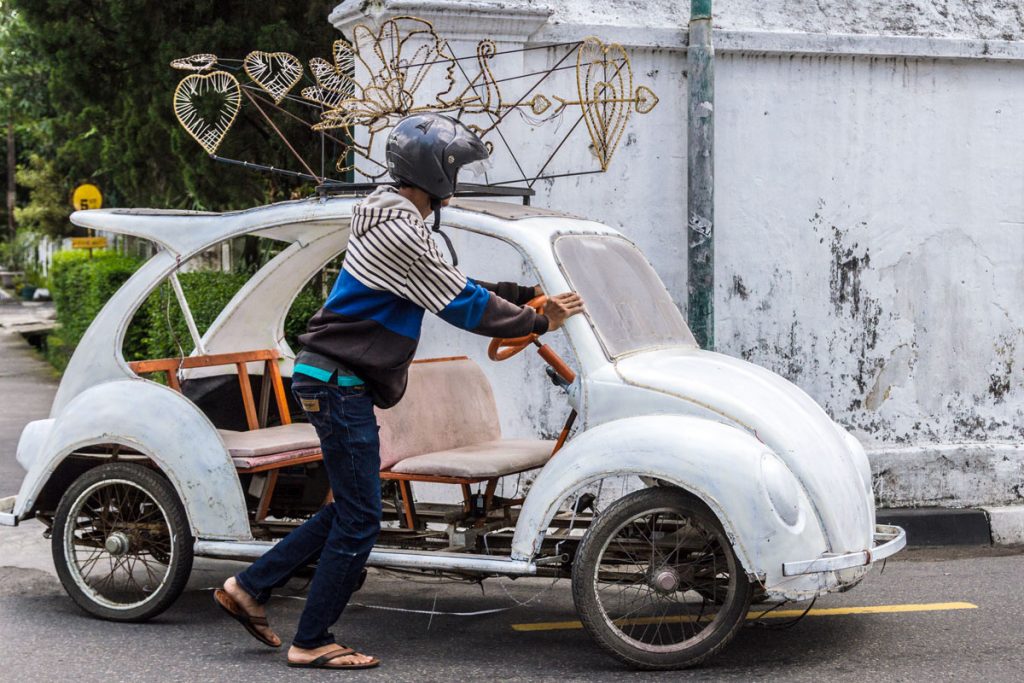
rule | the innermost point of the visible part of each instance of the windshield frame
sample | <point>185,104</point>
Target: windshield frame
<point>635,347</point>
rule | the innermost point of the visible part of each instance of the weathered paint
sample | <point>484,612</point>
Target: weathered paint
<point>868,215</point>
<point>158,422</point>
<point>783,494</point>
<point>677,450</point>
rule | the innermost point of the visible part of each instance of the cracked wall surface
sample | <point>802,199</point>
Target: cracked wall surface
<point>869,224</point>
<point>872,210</point>
<point>984,19</point>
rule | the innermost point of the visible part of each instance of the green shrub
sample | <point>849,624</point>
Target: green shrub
<point>207,293</point>
<point>305,305</point>
<point>80,286</point>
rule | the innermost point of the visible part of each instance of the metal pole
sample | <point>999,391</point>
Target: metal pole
<point>700,185</point>
<point>193,330</point>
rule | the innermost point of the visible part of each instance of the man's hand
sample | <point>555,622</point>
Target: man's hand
<point>562,306</point>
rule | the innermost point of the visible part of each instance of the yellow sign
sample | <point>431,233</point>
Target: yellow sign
<point>86,196</point>
<point>88,242</point>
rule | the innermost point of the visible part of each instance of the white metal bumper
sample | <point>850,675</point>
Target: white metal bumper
<point>7,517</point>
<point>888,541</point>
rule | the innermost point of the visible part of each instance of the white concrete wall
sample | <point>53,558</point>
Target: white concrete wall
<point>869,209</point>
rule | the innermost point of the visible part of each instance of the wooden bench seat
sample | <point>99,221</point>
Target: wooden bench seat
<point>480,461</point>
<point>270,440</point>
<point>262,448</point>
<point>446,430</point>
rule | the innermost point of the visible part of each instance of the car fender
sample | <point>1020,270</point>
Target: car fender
<point>163,425</point>
<point>762,508</point>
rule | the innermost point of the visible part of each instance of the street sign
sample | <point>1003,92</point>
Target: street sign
<point>88,242</point>
<point>86,196</point>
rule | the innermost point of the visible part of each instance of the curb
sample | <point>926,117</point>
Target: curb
<point>932,526</point>
<point>1007,524</point>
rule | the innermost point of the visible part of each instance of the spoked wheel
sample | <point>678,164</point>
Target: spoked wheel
<point>121,543</point>
<point>656,582</point>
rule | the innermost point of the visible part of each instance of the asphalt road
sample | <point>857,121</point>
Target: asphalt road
<point>44,637</point>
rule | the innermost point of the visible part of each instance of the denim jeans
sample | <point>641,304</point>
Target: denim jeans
<point>343,532</point>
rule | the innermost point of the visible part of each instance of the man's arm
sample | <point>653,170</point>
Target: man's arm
<point>441,288</point>
<point>510,291</point>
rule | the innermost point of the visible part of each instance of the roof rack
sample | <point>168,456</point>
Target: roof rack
<point>335,187</point>
<point>329,187</point>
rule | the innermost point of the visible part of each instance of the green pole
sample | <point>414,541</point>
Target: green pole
<point>700,186</point>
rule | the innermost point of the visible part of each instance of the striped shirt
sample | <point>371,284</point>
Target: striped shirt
<point>392,273</point>
<point>388,251</point>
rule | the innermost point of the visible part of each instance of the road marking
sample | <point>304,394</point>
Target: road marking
<point>774,614</point>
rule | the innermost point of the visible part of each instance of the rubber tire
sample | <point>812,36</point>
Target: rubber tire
<point>163,493</point>
<point>585,595</point>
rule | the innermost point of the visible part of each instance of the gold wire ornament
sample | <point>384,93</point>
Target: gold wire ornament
<point>209,134</point>
<point>200,62</point>
<point>275,72</point>
<point>604,83</point>
<point>334,81</point>
<point>398,57</point>
<point>379,77</point>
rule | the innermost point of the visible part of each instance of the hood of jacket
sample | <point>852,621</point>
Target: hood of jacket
<point>383,200</point>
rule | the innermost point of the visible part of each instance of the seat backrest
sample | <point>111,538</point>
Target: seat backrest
<point>271,373</point>
<point>447,404</point>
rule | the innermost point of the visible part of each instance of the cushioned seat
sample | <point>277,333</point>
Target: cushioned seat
<point>483,460</point>
<point>270,440</point>
<point>448,404</point>
<point>263,462</point>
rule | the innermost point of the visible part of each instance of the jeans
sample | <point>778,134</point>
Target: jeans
<point>343,532</point>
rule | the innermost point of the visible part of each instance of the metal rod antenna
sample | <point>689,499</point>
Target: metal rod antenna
<point>270,169</point>
<point>190,322</point>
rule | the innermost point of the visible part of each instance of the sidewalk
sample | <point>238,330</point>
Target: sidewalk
<point>27,387</point>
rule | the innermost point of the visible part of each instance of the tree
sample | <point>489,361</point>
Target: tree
<point>20,103</point>
<point>102,69</point>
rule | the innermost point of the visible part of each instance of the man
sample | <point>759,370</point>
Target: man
<point>356,354</point>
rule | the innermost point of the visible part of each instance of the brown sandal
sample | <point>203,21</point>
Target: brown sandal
<point>235,611</point>
<point>321,661</point>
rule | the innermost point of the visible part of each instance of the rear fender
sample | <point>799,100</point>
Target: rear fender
<point>168,429</point>
<point>725,467</point>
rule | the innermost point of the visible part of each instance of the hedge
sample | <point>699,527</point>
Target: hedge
<point>207,293</point>
<point>80,286</point>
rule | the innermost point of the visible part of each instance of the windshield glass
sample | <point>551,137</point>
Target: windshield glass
<point>626,301</point>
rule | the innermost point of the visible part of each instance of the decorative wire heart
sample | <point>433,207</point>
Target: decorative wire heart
<point>644,100</point>
<point>604,81</point>
<point>200,62</point>
<point>208,134</point>
<point>334,81</point>
<point>275,72</point>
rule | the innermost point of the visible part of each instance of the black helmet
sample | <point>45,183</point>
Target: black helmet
<point>427,151</point>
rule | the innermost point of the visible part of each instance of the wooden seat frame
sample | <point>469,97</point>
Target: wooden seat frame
<point>256,418</point>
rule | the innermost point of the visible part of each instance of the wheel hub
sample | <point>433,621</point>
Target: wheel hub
<point>117,543</point>
<point>665,580</point>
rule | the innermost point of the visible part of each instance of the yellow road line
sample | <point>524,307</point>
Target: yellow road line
<point>775,614</point>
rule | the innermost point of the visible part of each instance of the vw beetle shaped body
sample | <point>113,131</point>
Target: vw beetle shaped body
<point>725,448</point>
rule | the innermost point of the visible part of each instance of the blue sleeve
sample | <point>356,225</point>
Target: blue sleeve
<point>466,310</point>
<point>477,310</point>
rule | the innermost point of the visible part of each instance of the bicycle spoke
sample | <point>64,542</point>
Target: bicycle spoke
<point>132,574</point>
